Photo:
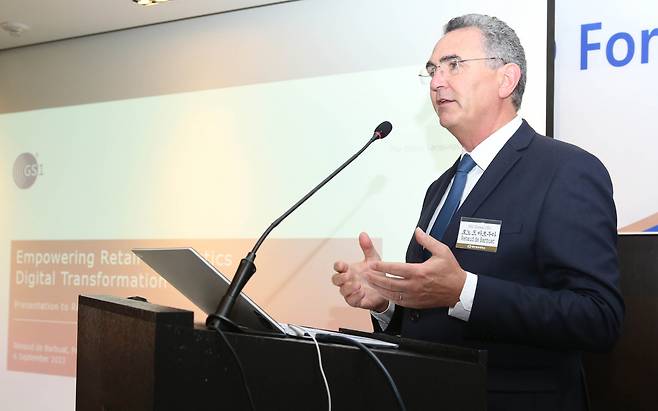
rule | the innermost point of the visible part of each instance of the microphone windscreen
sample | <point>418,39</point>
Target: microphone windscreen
<point>383,129</point>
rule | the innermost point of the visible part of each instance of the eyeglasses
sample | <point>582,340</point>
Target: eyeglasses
<point>449,67</point>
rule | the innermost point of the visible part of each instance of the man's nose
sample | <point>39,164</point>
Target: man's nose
<point>438,80</point>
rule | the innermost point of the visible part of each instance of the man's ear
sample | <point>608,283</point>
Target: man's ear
<point>510,74</point>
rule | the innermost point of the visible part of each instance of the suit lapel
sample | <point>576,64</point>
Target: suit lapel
<point>511,152</point>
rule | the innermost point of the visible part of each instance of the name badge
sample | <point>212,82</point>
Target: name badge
<point>478,234</point>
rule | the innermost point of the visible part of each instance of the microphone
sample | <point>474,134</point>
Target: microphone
<point>247,268</point>
<point>382,130</point>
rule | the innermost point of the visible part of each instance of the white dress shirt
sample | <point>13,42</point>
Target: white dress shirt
<point>483,155</point>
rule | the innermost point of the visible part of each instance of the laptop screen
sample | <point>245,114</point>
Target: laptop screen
<point>204,285</point>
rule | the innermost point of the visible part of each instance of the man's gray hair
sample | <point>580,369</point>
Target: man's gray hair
<point>500,41</point>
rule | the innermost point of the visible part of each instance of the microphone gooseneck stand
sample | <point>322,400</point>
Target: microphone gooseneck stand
<point>247,267</point>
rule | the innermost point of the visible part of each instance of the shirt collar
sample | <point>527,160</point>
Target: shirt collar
<point>487,150</point>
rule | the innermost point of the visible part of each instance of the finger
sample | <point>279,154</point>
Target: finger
<point>349,288</point>
<point>339,279</point>
<point>340,266</point>
<point>368,247</point>
<point>382,282</point>
<point>355,298</point>
<point>390,295</point>
<point>404,270</point>
<point>395,295</point>
<point>428,242</point>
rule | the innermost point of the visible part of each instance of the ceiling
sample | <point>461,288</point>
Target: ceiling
<point>50,20</point>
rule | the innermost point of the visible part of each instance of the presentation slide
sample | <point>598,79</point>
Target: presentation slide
<point>83,184</point>
<point>605,97</point>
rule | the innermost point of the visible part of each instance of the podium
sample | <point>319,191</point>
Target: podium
<point>625,378</point>
<point>134,355</point>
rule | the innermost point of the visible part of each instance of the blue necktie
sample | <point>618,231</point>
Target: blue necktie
<point>454,196</point>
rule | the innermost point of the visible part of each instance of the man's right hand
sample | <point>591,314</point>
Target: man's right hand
<point>351,278</point>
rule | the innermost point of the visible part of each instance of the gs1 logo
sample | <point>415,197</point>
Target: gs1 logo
<point>26,170</point>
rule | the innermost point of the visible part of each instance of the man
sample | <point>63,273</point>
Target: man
<point>521,260</point>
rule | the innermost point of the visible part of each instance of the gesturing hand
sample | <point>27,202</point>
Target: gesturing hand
<point>352,279</point>
<point>437,282</point>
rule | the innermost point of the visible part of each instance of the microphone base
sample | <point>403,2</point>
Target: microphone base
<point>219,322</point>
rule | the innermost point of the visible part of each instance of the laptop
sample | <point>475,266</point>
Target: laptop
<point>198,280</point>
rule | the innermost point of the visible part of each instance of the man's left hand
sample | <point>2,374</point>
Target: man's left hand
<point>437,282</point>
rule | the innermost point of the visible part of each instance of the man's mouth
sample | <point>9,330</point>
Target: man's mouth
<point>443,101</point>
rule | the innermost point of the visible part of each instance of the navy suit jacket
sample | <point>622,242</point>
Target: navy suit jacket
<point>550,291</point>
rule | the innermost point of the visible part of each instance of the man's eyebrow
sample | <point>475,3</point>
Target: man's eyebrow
<point>442,60</point>
<point>450,57</point>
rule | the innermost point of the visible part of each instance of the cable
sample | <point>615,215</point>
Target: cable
<point>239,363</point>
<point>317,347</point>
<point>349,341</point>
